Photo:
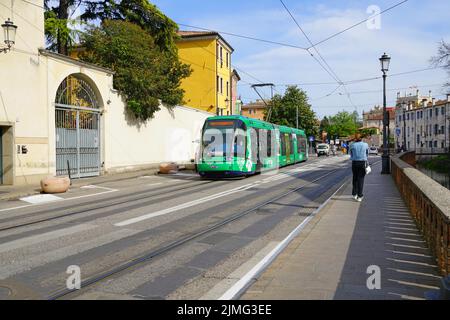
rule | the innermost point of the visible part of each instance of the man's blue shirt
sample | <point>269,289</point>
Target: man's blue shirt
<point>359,151</point>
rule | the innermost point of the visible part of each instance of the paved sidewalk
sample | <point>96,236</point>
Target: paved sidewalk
<point>329,259</point>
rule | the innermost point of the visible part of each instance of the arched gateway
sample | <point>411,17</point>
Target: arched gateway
<point>77,120</point>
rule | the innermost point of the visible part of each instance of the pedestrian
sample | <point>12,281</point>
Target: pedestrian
<point>359,151</point>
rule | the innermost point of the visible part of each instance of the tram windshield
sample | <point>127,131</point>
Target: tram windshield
<point>223,138</point>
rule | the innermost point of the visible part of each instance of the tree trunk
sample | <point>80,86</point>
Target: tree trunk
<point>63,13</point>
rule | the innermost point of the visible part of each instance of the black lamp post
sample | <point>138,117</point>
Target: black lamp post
<point>9,30</point>
<point>385,164</point>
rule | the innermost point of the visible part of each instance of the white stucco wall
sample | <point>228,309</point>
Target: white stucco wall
<point>28,85</point>
<point>172,135</point>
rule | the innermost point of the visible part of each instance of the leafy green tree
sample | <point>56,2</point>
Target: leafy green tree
<point>143,72</point>
<point>140,12</point>
<point>284,110</point>
<point>59,28</point>
<point>343,124</point>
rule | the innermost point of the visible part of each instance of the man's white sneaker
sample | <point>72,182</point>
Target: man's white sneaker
<point>359,199</point>
<point>355,197</point>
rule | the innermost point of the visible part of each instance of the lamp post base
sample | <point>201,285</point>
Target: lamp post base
<point>385,164</point>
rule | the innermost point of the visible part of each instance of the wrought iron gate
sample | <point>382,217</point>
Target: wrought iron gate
<point>77,121</point>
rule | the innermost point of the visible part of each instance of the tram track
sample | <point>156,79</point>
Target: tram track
<point>135,197</point>
<point>166,248</point>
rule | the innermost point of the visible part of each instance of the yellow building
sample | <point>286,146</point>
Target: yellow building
<point>208,88</point>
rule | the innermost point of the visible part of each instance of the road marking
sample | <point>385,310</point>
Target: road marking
<point>16,244</point>
<point>184,205</point>
<point>245,281</point>
<point>41,198</point>
<point>61,199</point>
<point>92,186</point>
<point>154,184</point>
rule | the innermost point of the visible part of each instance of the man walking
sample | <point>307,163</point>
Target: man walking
<point>358,155</point>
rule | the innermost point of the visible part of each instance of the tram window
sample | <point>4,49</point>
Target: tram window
<point>269,143</point>
<point>262,143</point>
<point>254,144</point>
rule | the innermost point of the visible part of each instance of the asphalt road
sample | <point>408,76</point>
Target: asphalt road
<point>157,237</point>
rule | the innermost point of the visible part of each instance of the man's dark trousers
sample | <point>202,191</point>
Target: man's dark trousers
<point>359,172</point>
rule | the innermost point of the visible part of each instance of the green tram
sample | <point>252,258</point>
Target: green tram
<point>236,146</point>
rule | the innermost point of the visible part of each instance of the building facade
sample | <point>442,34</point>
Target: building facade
<point>422,124</point>
<point>58,113</point>
<point>208,88</point>
<point>374,120</point>
<point>254,110</point>
<point>236,104</point>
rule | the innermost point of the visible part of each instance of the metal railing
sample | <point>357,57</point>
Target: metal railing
<point>429,204</point>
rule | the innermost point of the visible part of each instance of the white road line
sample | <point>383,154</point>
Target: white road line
<point>41,198</point>
<point>184,205</point>
<point>245,281</point>
<point>154,184</point>
<point>62,199</point>
<point>16,244</point>
<point>92,186</point>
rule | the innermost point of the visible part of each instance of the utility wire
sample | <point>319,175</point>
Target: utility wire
<point>357,24</point>
<point>244,36</point>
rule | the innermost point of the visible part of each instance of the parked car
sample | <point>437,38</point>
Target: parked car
<point>323,149</point>
<point>373,150</point>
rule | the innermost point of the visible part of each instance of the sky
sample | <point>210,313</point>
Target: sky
<point>410,33</point>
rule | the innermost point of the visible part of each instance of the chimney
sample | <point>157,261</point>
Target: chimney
<point>424,103</point>
<point>417,92</point>
<point>398,94</point>
<point>433,102</point>
<point>448,97</point>
<point>429,93</point>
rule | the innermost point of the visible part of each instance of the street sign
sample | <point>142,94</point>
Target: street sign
<point>397,131</point>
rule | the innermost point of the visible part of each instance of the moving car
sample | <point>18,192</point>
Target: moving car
<point>323,149</point>
<point>373,150</point>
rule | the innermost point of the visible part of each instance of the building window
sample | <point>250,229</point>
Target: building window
<point>431,113</point>
<point>221,85</point>
<point>221,57</point>
<point>436,128</point>
<point>442,111</point>
<point>218,83</point>
<point>407,117</point>
<point>442,130</point>
<point>418,138</point>
<point>400,118</point>
<point>227,59</point>
<point>435,144</point>
<point>228,89</point>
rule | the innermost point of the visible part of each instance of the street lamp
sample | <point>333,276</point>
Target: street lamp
<point>9,30</point>
<point>385,164</point>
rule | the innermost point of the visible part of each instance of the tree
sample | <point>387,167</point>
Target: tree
<point>284,110</point>
<point>140,12</point>
<point>143,72</point>
<point>58,27</point>
<point>443,58</point>
<point>343,124</point>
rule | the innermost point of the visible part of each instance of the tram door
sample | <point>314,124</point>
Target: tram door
<point>288,147</point>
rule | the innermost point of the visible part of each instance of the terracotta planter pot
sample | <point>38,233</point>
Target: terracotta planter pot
<point>166,168</point>
<point>55,184</point>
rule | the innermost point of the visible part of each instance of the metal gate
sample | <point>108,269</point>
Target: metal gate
<point>77,121</point>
